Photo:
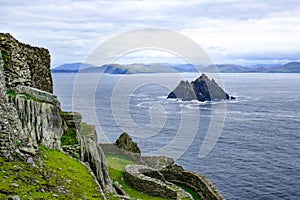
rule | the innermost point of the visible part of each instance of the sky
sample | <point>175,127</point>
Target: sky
<point>230,31</point>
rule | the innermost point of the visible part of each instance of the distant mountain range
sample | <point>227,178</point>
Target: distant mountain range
<point>292,67</point>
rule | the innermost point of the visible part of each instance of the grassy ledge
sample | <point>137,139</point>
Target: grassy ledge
<point>55,176</point>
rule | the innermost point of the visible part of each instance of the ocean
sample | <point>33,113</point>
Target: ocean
<point>249,148</point>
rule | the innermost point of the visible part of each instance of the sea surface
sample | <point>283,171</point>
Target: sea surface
<point>249,148</point>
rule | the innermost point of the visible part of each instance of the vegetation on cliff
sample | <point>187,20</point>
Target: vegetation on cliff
<point>51,175</point>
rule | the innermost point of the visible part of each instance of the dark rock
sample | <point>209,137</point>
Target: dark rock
<point>184,90</point>
<point>202,89</point>
<point>126,143</point>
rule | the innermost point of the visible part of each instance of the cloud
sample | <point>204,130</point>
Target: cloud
<point>229,30</point>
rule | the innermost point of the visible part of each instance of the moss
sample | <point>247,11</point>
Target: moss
<point>55,171</point>
<point>189,190</point>
<point>69,137</point>
<point>14,93</point>
<point>11,93</point>
<point>29,97</point>
<point>5,58</point>
<point>62,113</point>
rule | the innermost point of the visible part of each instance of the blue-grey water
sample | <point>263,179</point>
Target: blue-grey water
<point>257,155</point>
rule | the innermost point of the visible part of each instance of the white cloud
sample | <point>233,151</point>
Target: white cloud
<point>230,31</point>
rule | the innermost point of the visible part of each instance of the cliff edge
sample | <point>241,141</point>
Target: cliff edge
<point>31,115</point>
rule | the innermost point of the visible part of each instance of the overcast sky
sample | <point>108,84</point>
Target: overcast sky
<point>230,31</point>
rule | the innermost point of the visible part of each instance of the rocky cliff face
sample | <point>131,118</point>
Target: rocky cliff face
<point>31,114</point>
<point>202,89</point>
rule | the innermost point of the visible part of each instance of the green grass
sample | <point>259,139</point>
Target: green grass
<point>116,167</point>
<point>189,190</point>
<point>69,137</point>
<point>63,113</point>
<point>55,171</point>
<point>86,129</point>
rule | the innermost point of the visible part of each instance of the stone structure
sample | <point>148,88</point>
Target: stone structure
<point>10,125</point>
<point>154,175</point>
<point>202,89</point>
<point>197,182</point>
<point>135,176</point>
<point>25,65</point>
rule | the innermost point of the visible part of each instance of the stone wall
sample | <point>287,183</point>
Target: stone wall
<point>25,65</point>
<point>10,126</point>
<point>197,182</point>
<point>135,176</point>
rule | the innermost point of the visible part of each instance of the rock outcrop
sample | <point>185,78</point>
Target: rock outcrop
<point>202,89</point>
<point>94,156</point>
<point>40,121</point>
<point>126,143</point>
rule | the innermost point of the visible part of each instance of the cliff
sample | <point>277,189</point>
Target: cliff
<point>31,115</point>
<point>202,89</point>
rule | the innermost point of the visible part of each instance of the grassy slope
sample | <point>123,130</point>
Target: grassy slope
<point>56,172</point>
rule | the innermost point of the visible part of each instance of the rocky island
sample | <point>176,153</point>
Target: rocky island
<point>46,153</point>
<point>202,89</point>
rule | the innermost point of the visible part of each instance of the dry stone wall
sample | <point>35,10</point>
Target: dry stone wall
<point>25,64</point>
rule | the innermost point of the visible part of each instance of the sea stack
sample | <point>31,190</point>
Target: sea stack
<point>202,89</point>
